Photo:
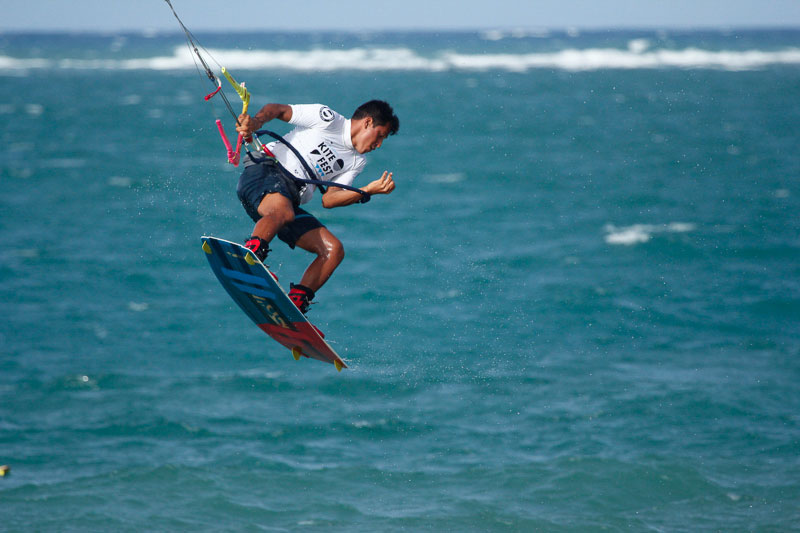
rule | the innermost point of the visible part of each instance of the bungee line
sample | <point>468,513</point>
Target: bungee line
<point>193,44</point>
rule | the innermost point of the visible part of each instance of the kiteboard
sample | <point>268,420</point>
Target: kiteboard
<point>255,289</point>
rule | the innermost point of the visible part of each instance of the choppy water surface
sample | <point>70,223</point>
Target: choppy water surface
<point>578,311</point>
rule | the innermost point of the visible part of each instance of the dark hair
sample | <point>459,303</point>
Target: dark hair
<point>381,113</point>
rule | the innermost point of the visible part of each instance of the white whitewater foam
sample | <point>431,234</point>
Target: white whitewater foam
<point>637,46</point>
<point>628,236</point>
<point>13,63</point>
<point>638,55</point>
<point>610,58</point>
<point>641,233</point>
<point>516,33</point>
<point>34,110</point>
<point>120,181</point>
<point>138,306</point>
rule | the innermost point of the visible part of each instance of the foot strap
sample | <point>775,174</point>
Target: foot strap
<point>301,296</point>
<point>258,246</point>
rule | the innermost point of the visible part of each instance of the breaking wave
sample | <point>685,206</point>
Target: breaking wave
<point>638,55</point>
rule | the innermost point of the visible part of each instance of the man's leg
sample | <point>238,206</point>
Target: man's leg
<point>276,211</point>
<point>329,251</point>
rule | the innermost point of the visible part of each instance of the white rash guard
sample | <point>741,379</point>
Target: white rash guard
<point>322,136</point>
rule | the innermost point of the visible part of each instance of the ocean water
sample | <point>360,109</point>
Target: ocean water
<point>577,312</point>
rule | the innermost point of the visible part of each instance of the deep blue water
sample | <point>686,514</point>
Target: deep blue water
<point>577,312</point>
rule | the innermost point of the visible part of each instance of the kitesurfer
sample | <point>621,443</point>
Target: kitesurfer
<point>333,147</point>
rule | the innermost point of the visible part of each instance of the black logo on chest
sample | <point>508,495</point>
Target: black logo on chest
<point>325,160</point>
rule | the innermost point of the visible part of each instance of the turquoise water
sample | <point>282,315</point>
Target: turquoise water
<point>577,312</point>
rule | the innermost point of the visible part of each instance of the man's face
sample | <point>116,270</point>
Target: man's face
<point>371,137</point>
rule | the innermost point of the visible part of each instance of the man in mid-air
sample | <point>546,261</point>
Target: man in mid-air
<point>334,147</point>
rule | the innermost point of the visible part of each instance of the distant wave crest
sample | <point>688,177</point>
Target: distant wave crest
<point>641,233</point>
<point>638,55</point>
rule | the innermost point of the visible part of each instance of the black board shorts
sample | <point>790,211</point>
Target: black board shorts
<point>260,179</point>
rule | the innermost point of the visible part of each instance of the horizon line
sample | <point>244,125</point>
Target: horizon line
<point>533,30</point>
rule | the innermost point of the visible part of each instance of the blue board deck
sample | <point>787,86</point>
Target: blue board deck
<point>256,291</point>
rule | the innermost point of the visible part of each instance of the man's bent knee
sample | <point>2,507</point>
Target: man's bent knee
<point>336,252</point>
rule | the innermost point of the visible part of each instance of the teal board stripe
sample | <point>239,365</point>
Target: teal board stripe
<point>249,285</point>
<point>247,278</point>
<point>221,264</point>
<point>247,289</point>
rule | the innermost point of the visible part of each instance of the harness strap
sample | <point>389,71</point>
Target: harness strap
<point>365,196</point>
